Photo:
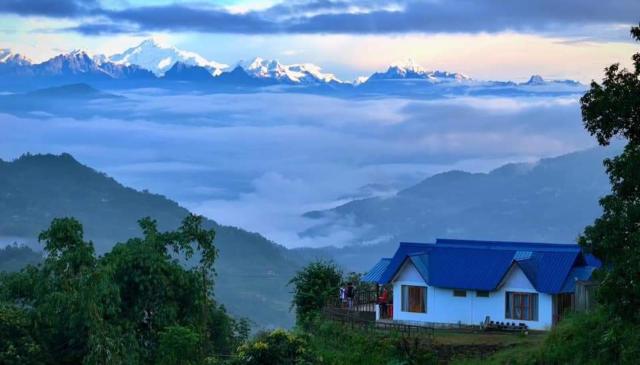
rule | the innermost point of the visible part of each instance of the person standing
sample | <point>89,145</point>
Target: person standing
<point>350,294</point>
<point>382,301</point>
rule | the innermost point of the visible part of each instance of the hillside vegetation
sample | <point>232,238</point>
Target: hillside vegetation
<point>34,189</point>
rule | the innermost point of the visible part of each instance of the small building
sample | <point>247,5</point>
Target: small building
<point>469,282</point>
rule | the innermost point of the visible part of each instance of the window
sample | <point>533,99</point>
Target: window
<point>459,293</point>
<point>522,306</point>
<point>482,294</point>
<point>414,299</point>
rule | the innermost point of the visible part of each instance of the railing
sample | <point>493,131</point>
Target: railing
<point>354,319</point>
<point>362,301</point>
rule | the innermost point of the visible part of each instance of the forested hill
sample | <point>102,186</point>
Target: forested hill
<point>551,200</point>
<point>34,189</point>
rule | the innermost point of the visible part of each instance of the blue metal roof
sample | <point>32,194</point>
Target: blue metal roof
<point>374,275</point>
<point>467,268</point>
<point>481,265</point>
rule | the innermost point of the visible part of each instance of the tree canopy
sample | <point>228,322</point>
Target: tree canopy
<point>612,110</point>
<point>312,286</point>
<point>123,308</point>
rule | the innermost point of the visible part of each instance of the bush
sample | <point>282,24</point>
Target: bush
<point>592,338</point>
<point>276,348</point>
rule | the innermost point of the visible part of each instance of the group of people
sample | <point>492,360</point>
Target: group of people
<point>346,295</point>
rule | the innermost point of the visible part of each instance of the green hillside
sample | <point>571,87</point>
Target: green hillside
<point>34,189</point>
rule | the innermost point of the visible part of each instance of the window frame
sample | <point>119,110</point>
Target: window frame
<point>459,293</point>
<point>521,306</point>
<point>409,300</point>
<point>483,293</point>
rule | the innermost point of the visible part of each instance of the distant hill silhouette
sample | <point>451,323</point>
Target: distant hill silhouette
<point>76,91</point>
<point>34,189</point>
<point>548,201</point>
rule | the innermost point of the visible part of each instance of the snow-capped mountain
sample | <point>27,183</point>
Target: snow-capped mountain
<point>14,63</point>
<point>159,58</point>
<point>9,58</point>
<point>299,73</point>
<point>79,63</point>
<point>411,70</point>
<point>152,64</point>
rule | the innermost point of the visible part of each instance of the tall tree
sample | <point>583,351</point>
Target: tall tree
<point>312,286</point>
<point>612,110</point>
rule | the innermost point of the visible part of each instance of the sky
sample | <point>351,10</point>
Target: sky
<point>490,39</point>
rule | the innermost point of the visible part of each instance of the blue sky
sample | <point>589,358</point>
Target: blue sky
<point>485,39</point>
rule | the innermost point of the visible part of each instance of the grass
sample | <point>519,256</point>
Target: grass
<point>340,344</point>
<point>514,348</point>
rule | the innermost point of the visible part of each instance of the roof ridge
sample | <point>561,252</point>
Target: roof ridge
<point>500,242</point>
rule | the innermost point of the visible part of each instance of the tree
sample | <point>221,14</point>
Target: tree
<point>313,286</point>
<point>612,110</point>
<point>138,304</point>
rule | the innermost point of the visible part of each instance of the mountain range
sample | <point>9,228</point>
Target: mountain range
<point>152,62</point>
<point>551,200</point>
<point>252,272</point>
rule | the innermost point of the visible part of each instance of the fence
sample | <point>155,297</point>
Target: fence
<point>355,319</point>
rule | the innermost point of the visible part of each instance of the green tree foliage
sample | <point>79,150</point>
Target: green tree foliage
<point>178,346</point>
<point>17,346</point>
<point>610,110</point>
<point>125,307</point>
<point>313,286</point>
<point>276,348</point>
<point>610,335</point>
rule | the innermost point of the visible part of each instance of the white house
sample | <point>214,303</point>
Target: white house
<point>464,282</point>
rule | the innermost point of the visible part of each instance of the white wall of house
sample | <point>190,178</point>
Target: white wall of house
<point>444,307</point>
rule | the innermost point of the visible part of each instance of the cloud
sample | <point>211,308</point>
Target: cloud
<point>574,17</point>
<point>246,160</point>
<point>49,8</point>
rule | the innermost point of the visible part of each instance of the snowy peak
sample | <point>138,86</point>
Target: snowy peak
<point>411,70</point>
<point>159,58</point>
<point>14,59</point>
<point>408,67</point>
<point>80,63</point>
<point>299,73</point>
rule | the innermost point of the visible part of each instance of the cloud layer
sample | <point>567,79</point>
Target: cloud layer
<point>259,161</point>
<point>340,16</point>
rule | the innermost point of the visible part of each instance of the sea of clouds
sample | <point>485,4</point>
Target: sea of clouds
<point>261,160</point>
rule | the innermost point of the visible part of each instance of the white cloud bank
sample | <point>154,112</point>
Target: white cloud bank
<point>259,161</point>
